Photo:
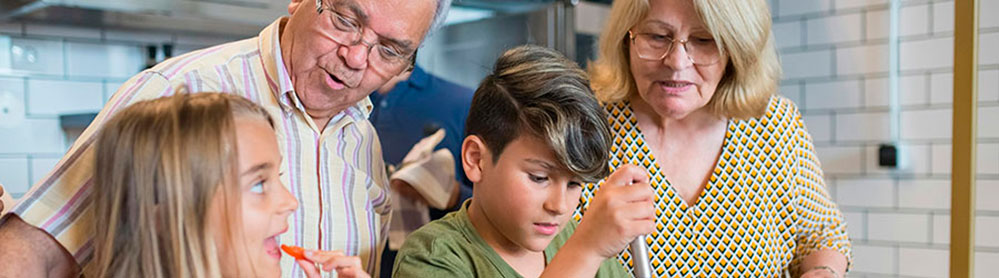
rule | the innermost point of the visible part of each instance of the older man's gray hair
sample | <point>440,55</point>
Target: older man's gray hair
<point>440,15</point>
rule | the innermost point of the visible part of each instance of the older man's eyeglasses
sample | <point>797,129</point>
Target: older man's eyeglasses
<point>651,46</point>
<point>387,57</point>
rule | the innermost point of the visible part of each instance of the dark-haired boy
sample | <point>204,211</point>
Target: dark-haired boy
<point>535,135</point>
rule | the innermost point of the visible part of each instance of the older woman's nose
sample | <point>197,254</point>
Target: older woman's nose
<point>678,58</point>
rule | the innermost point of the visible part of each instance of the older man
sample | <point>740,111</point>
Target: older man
<point>312,72</point>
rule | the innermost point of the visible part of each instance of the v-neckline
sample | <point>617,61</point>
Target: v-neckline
<point>715,171</point>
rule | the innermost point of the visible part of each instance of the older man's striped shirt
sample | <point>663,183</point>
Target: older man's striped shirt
<point>337,175</point>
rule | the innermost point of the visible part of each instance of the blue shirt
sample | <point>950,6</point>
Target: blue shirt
<point>419,104</point>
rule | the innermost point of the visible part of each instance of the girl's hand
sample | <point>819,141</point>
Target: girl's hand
<point>318,261</point>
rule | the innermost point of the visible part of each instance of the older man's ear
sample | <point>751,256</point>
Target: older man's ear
<point>293,6</point>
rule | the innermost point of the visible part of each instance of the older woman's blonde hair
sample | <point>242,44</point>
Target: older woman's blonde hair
<point>160,163</point>
<point>741,29</point>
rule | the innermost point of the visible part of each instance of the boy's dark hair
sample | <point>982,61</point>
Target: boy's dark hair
<point>537,91</point>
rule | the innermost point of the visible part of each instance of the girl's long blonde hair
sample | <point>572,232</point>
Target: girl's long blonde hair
<point>159,164</point>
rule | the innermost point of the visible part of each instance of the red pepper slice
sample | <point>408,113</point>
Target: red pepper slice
<point>297,252</point>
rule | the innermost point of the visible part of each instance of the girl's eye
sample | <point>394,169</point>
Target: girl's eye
<point>257,187</point>
<point>575,184</point>
<point>537,179</point>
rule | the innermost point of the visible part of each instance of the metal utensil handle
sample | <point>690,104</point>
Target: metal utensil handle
<point>640,258</point>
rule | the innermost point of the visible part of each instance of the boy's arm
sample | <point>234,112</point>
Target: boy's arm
<point>574,259</point>
<point>30,252</point>
<point>621,210</point>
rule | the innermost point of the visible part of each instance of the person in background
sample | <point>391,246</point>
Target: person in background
<point>690,90</point>
<point>312,72</point>
<point>408,108</point>
<point>188,186</point>
<point>535,135</point>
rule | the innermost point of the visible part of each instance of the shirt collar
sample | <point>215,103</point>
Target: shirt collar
<point>277,75</point>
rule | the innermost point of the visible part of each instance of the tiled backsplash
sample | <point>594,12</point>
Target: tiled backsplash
<point>835,58</point>
<point>51,70</point>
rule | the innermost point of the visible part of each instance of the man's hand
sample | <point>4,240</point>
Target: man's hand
<point>407,191</point>
<point>621,210</point>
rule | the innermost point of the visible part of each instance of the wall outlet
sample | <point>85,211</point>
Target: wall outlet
<point>893,156</point>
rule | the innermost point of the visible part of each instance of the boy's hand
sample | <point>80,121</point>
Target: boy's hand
<point>317,261</point>
<point>621,210</point>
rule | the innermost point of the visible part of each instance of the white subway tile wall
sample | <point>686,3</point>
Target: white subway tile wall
<point>943,16</point>
<point>985,262</point>
<point>873,259</point>
<point>925,54</point>
<point>834,29</point>
<point>985,226</point>
<point>853,4</point>
<point>54,70</point>
<point>901,227</point>
<point>837,67</point>
<point>986,42</point>
<point>807,64</point>
<point>942,88</point>
<point>865,193</point>
<point>866,126</point>
<point>856,225</point>
<point>923,262</point>
<point>864,59</point>
<point>14,175</point>
<point>941,229</point>
<point>924,193</point>
<point>41,166</point>
<point>926,124</point>
<point>819,126</point>
<point>58,97</point>
<point>988,21</point>
<point>832,95</point>
<point>987,189</point>
<point>914,20</point>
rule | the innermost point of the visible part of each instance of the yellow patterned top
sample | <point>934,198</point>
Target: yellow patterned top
<point>765,206</point>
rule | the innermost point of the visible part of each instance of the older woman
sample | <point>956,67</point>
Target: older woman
<point>690,90</point>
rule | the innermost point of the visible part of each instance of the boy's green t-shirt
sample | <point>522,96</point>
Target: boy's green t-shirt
<point>450,247</point>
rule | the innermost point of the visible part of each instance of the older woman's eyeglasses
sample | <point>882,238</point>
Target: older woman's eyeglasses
<point>651,46</point>
<point>384,55</point>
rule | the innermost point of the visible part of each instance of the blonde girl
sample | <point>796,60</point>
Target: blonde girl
<point>188,186</point>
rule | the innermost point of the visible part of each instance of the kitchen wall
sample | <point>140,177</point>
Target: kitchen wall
<point>51,70</point>
<point>835,58</point>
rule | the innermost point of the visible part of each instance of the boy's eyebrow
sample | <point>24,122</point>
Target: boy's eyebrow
<point>257,168</point>
<point>545,164</point>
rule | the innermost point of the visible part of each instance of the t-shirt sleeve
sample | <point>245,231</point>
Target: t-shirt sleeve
<point>611,267</point>
<point>60,203</point>
<point>820,223</point>
<point>420,260</point>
